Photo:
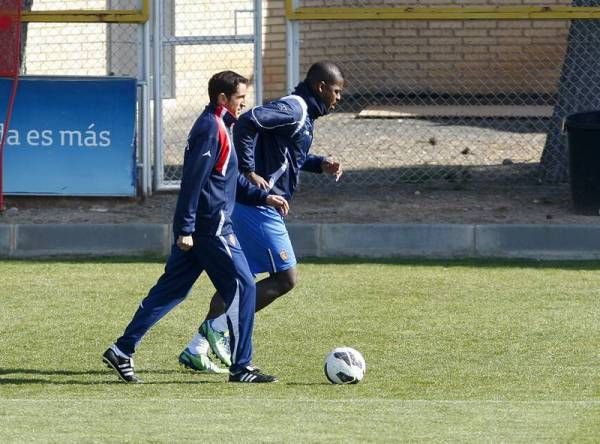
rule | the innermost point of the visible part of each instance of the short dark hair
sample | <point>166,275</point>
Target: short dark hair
<point>225,82</point>
<point>324,71</point>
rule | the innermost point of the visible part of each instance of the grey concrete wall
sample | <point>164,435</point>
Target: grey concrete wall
<point>538,241</point>
<point>87,240</point>
<point>397,240</point>
<point>545,242</point>
<point>6,237</point>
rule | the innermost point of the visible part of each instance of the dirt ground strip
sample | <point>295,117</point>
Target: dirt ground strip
<point>404,203</point>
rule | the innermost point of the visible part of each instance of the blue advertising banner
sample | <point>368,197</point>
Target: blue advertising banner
<point>70,136</point>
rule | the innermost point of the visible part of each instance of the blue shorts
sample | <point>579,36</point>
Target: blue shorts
<point>264,239</point>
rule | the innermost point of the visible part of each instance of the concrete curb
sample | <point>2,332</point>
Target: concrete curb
<point>84,240</point>
<point>538,241</point>
<point>442,241</point>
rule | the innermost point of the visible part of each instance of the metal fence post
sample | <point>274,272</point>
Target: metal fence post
<point>293,51</point>
<point>157,91</point>
<point>258,66</point>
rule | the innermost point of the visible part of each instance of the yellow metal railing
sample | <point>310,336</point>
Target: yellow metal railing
<point>90,16</point>
<point>442,13</point>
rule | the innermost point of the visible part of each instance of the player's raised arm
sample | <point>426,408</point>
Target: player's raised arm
<point>333,167</point>
<point>313,164</point>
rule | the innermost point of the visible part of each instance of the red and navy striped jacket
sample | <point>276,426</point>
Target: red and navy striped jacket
<point>211,179</point>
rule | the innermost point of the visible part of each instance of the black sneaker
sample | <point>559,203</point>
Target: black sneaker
<point>251,374</point>
<point>123,366</point>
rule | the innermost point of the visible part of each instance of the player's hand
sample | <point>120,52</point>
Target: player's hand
<point>278,202</point>
<point>332,167</point>
<point>258,181</point>
<point>185,243</point>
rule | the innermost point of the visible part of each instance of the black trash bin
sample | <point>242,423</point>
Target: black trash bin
<point>583,138</point>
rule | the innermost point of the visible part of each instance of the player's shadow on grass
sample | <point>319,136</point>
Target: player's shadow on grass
<point>24,380</point>
<point>304,384</point>
<point>35,371</point>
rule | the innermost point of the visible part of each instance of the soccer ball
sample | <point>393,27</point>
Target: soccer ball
<point>344,365</point>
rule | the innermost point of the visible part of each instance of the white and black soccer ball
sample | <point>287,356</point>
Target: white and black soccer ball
<point>344,365</point>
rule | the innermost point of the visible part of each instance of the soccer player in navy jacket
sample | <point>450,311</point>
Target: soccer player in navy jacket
<point>205,239</point>
<point>273,143</point>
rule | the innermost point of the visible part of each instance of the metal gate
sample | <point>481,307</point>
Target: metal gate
<point>197,38</point>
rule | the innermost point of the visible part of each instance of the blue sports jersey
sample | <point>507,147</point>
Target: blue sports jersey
<point>211,181</point>
<point>274,139</point>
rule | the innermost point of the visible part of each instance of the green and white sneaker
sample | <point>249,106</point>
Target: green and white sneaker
<point>199,363</point>
<point>219,342</point>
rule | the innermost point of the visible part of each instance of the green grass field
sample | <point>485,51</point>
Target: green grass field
<point>458,352</point>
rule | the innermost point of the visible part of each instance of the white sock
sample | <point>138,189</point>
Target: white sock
<point>118,352</point>
<point>198,345</point>
<point>220,323</point>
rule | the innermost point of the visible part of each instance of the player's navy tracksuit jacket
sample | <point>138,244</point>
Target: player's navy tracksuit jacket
<point>273,139</point>
<point>209,186</point>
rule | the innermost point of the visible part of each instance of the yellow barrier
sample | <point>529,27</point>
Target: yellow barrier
<point>442,13</point>
<point>90,16</point>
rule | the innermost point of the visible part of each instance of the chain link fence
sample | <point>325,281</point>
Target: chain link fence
<point>199,38</point>
<point>452,100</point>
<point>81,49</point>
<point>195,39</point>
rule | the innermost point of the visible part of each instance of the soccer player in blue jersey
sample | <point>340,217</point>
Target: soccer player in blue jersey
<point>205,239</point>
<point>272,142</point>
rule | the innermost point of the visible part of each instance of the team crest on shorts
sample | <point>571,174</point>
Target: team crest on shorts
<point>283,255</point>
<point>232,240</point>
